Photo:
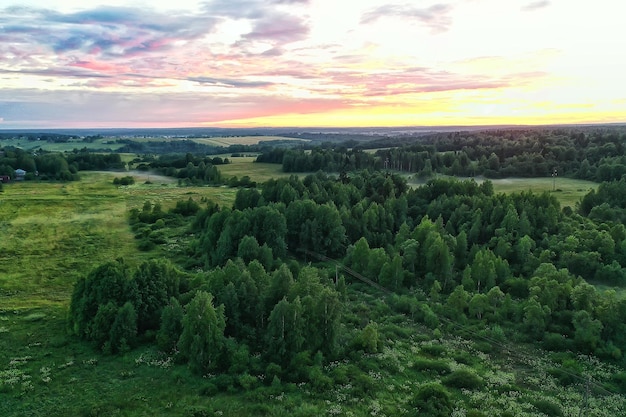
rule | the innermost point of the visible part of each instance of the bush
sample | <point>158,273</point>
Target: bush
<point>438,366</point>
<point>475,413</point>
<point>566,374</point>
<point>556,342</point>
<point>547,407</point>
<point>145,245</point>
<point>464,378</point>
<point>127,180</point>
<point>619,380</point>
<point>248,381</point>
<point>436,350</point>
<point>431,400</point>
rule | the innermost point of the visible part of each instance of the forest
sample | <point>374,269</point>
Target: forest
<point>330,280</point>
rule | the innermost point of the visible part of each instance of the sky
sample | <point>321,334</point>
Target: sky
<point>310,63</point>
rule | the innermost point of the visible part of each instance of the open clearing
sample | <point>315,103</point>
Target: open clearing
<point>568,191</point>
<point>257,171</point>
<point>74,226</point>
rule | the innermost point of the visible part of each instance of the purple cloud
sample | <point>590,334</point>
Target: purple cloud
<point>536,5</point>
<point>436,17</point>
<point>268,23</point>
<point>106,31</point>
<point>421,80</point>
<point>279,28</point>
<point>224,82</point>
<point>28,108</point>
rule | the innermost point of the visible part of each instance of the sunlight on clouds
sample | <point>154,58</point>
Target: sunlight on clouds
<point>321,62</point>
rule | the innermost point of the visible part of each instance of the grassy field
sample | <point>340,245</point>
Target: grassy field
<point>108,142</point>
<point>568,191</point>
<point>50,235</point>
<point>62,147</point>
<point>75,225</point>
<point>259,172</point>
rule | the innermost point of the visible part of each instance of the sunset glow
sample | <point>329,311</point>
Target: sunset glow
<point>253,63</point>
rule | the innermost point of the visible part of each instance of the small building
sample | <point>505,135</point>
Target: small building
<point>5,178</point>
<point>19,174</point>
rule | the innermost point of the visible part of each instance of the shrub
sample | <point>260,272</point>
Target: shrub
<point>145,245</point>
<point>248,381</point>
<point>556,342</point>
<point>127,180</point>
<point>475,413</point>
<point>619,380</point>
<point>436,350</point>
<point>431,400</point>
<point>464,378</point>
<point>438,366</point>
<point>547,407</point>
<point>566,374</point>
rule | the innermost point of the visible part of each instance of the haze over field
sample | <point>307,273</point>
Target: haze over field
<point>249,63</point>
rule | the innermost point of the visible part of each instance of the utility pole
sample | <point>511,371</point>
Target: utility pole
<point>554,174</point>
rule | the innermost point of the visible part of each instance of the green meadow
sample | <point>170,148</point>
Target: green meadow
<point>568,191</point>
<point>104,143</point>
<point>109,142</point>
<point>50,235</point>
<point>259,172</point>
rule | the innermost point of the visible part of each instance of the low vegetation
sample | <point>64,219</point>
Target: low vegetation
<point>332,294</point>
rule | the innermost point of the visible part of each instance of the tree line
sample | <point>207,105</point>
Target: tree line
<point>595,154</point>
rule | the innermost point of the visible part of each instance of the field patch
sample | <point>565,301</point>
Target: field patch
<point>257,171</point>
<point>567,190</point>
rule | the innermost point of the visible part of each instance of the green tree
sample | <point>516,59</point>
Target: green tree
<point>457,302</point>
<point>438,258</point>
<point>106,283</point>
<point>587,331</point>
<point>484,270</point>
<point>248,249</point>
<point>284,334</point>
<point>369,338</point>
<point>358,256</point>
<point>535,318</point>
<point>100,326</point>
<point>478,305</point>
<point>392,274</point>
<point>171,326</point>
<point>202,336</point>
<point>124,329</point>
<point>156,281</point>
<point>280,286</point>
